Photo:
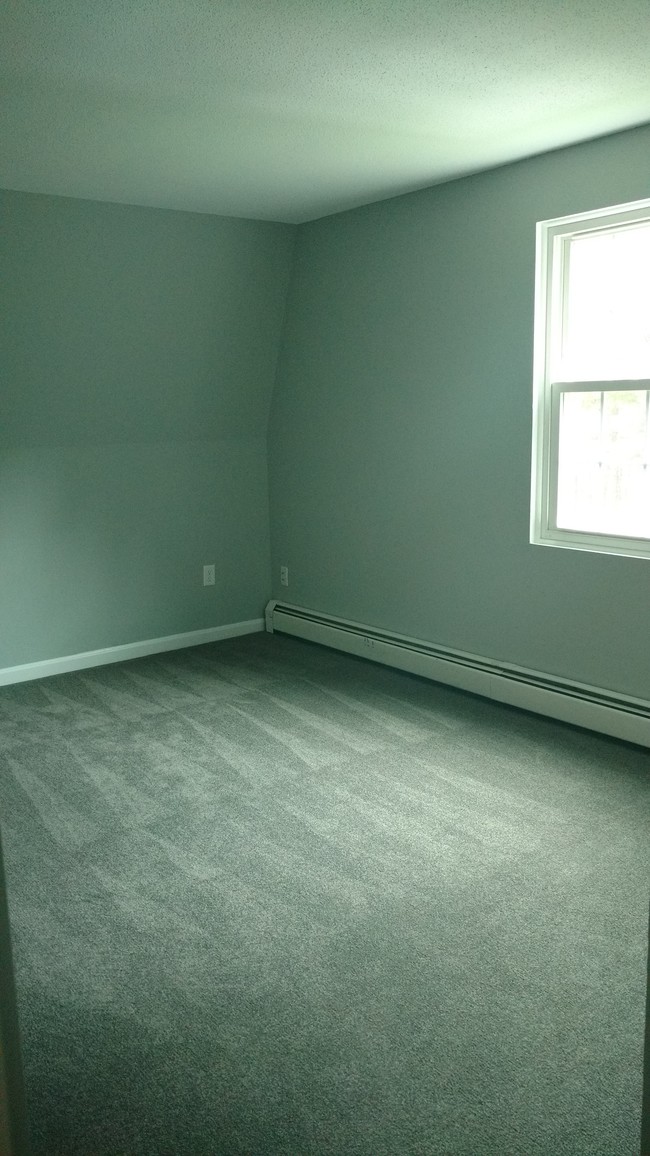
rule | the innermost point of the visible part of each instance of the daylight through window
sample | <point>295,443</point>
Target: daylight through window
<point>591,452</point>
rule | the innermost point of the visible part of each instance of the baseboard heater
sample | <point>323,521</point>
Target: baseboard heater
<point>573,702</point>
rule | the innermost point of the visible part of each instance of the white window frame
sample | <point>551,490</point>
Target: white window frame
<point>553,238</point>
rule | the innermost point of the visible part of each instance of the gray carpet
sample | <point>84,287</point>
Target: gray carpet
<point>268,898</point>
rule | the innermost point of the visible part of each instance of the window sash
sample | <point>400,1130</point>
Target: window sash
<point>551,299</point>
<point>557,390</point>
<point>558,359</point>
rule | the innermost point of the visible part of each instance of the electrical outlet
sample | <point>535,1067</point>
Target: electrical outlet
<point>284,575</point>
<point>208,575</point>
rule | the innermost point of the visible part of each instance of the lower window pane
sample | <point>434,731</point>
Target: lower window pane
<point>604,467</point>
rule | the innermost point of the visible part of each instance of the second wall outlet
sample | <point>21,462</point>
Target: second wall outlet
<point>284,575</point>
<point>208,575</point>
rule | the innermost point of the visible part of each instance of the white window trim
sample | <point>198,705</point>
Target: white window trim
<point>550,297</point>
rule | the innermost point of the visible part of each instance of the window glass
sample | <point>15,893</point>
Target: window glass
<point>603,462</point>
<point>606,333</point>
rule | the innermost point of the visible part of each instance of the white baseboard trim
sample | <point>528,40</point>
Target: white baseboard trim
<point>585,706</point>
<point>70,662</point>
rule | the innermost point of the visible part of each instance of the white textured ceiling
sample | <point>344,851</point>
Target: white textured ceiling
<point>292,109</point>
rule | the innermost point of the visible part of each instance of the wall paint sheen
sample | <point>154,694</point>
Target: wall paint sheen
<point>400,435</point>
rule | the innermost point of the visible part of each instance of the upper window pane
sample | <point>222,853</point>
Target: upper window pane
<point>606,330</point>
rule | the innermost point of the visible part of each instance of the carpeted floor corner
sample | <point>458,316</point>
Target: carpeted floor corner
<point>271,899</point>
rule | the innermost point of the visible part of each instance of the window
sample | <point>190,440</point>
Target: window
<point>591,425</point>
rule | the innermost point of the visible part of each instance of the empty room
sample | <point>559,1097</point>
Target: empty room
<point>324,578</point>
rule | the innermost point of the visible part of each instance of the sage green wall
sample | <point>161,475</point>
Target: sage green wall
<point>400,436</point>
<point>139,348</point>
